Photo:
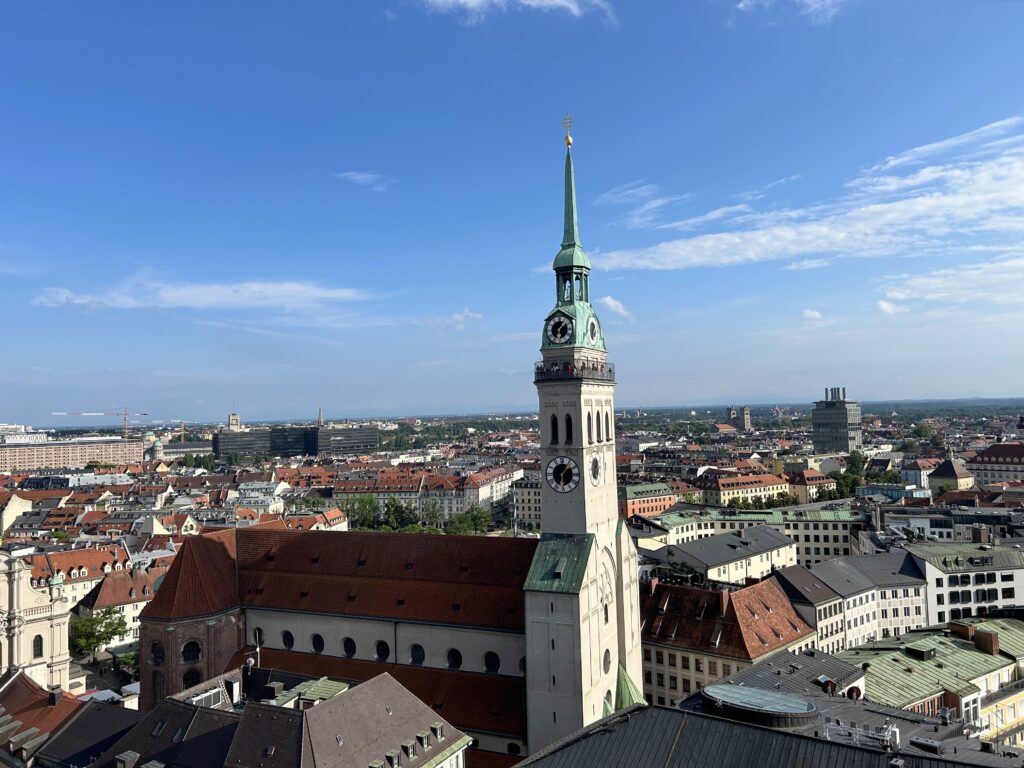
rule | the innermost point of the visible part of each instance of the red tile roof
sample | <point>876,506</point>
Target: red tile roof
<point>460,580</point>
<point>468,700</point>
<point>26,702</point>
<point>201,581</point>
<point>745,624</point>
<point>124,588</point>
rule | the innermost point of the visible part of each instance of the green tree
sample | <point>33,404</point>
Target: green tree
<point>363,512</point>
<point>89,634</point>
<point>397,515</point>
<point>473,520</point>
<point>908,446</point>
<point>60,535</point>
<point>432,514</point>
<point>855,464</point>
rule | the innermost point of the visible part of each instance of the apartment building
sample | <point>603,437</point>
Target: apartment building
<point>818,605</point>
<point>526,493</point>
<point>646,499</point>
<point>69,453</point>
<point>719,490</point>
<point>808,484</point>
<point>1000,462</point>
<point>966,580</point>
<point>737,557</point>
<point>694,637</point>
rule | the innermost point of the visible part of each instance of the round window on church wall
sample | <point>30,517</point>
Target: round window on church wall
<point>383,650</point>
<point>416,654</point>
<point>607,661</point>
<point>287,639</point>
<point>454,658</point>
<point>492,663</point>
<point>348,645</point>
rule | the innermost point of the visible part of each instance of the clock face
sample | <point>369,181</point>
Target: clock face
<point>595,470</point>
<point>593,330</point>
<point>563,474</point>
<point>559,329</point>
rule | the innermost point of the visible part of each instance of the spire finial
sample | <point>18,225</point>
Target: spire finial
<point>567,123</point>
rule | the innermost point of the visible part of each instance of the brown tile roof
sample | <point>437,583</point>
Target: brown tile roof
<point>93,559</point>
<point>201,581</point>
<point>745,624</point>
<point>468,700</point>
<point>462,580</point>
<point>999,453</point>
<point>24,701</point>
<point>124,588</point>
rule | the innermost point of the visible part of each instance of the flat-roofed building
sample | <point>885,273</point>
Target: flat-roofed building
<point>836,423</point>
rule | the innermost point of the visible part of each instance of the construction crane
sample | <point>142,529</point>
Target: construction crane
<point>124,414</point>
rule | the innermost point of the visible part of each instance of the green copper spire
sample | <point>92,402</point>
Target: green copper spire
<point>571,254</point>
<point>571,233</point>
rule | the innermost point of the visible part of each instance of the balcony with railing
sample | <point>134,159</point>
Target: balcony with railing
<point>569,371</point>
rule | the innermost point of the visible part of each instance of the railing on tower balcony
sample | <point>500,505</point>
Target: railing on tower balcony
<point>568,371</point>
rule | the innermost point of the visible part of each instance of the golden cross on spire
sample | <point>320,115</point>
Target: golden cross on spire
<point>567,123</point>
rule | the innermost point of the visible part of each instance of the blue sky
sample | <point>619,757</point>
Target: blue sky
<point>354,204</point>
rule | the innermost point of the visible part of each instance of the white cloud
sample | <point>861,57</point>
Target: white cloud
<point>760,192</point>
<point>694,222</point>
<point>477,9</point>
<point>925,151</point>
<point>889,308</point>
<point>812,315</point>
<point>807,264</point>
<point>252,294</point>
<point>375,181</point>
<point>456,320</point>
<point>616,307</point>
<point>641,195</point>
<point>646,214</point>
<point>631,193</point>
<point>998,281</point>
<point>960,203</point>
<point>819,11</point>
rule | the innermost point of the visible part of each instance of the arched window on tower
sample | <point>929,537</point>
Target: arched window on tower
<point>37,646</point>
<point>158,686</point>
<point>607,427</point>
<point>579,288</point>
<point>568,429</point>
<point>590,428</point>
<point>599,428</point>
<point>554,429</point>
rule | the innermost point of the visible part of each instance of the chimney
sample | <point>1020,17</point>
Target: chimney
<point>126,759</point>
<point>56,694</point>
<point>987,642</point>
<point>724,598</point>
<point>964,631</point>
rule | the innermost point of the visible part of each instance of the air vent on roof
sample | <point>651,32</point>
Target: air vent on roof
<point>352,595</point>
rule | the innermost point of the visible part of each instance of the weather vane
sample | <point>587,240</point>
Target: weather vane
<point>567,123</point>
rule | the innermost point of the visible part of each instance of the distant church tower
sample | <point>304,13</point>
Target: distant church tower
<point>582,599</point>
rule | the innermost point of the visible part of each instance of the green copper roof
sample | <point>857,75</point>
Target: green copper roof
<point>572,254</point>
<point>559,563</point>
<point>898,679</point>
<point>626,691</point>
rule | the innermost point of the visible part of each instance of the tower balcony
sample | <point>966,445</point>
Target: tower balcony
<point>570,371</point>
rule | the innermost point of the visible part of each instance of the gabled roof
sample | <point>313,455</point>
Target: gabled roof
<point>745,624</point>
<point>468,700</point>
<point>177,734</point>
<point>124,588</point>
<point>27,706</point>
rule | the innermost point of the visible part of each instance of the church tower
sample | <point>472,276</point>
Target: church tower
<point>582,599</point>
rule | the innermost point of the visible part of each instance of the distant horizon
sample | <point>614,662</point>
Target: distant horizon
<point>169,425</point>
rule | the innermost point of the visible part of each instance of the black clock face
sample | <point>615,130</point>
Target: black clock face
<point>593,329</point>
<point>559,329</point>
<point>563,474</point>
<point>595,470</point>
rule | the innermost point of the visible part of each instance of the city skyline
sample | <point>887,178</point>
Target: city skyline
<point>237,235</point>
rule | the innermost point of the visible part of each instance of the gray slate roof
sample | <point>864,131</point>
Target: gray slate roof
<point>722,548</point>
<point>796,672</point>
<point>859,573</point>
<point>672,738</point>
